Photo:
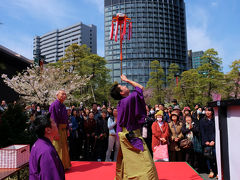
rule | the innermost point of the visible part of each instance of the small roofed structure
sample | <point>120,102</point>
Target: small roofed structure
<point>10,63</point>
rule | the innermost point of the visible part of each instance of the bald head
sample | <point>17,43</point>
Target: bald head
<point>61,95</point>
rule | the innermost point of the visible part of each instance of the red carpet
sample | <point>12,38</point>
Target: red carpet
<point>84,170</point>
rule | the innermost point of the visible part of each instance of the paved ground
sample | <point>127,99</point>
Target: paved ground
<point>205,177</point>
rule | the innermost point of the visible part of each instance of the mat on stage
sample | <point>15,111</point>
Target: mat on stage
<point>106,171</point>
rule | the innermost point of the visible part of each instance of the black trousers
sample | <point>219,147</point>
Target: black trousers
<point>176,156</point>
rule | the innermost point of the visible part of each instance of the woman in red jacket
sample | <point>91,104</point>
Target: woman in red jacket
<point>160,133</point>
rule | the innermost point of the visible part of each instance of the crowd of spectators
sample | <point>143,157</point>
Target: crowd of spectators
<point>189,135</point>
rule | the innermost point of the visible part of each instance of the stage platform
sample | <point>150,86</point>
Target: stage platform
<point>106,171</point>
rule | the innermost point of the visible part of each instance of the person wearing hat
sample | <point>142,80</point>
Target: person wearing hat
<point>160,133</point>
<point>175,136</point>
<point>177,110</point>
<point>186,111</point>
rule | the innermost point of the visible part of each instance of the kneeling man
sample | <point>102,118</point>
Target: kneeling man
<point>44,162</point>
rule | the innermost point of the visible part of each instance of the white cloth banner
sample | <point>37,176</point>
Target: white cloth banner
<point>217,145</point>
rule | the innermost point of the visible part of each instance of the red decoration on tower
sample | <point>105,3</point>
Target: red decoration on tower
<point>121,21</point>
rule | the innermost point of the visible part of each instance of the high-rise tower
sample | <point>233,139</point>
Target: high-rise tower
<point>159,33</point>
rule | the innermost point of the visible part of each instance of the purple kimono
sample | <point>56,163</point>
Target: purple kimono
<point>44,162</point>
<point>59,113</point>
<point>131,114</point>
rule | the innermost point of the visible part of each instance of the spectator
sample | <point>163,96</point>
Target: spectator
<point>86,112</point>
<point>189,130</point>
<point>112,125</point>
<point>160,133</point>
<point>101,136</point>
<point>177,110</point>
<point>80,120</point>
<point>175,131</point>
<point>109,112</point>
<point>194,113</point>
<point>32,117</point>
<point>104,106</point>
<point>161,107</point>
<point>166,115</point>
<point>199,115</point>
<point>33,108</point>
<point>3,106</point>
<point>96,110</point>
<point>69,111</point>
<point>73,139</point>
<point>152,112</point>
<point>99,108</point>
<point>81,106</point>
<point>186,111</point>
<point>170,109</point>
<point>44,162</point>
<point>156,107</point>
<point>147,128</point>
<point>90,128</point>
<point>174,103</point>
<point>38,111</point>
<point>197,144</point>
<point>207,127</point>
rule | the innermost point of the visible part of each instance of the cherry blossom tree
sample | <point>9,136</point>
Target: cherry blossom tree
<point>40,85</point>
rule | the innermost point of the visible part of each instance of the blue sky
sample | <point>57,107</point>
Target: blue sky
<point>210,23</point>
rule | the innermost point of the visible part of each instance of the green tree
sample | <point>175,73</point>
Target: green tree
<point>73,59</point>
<point>156,82</point>
<point>211,81</point>
<point>78,59</point>
<point>173,71</point>
<point>233,79</point>
<point>100,81</point>
<point>199,85</point>
<point>13,127</point>
<point>210,57</point>
<point>188,88</point>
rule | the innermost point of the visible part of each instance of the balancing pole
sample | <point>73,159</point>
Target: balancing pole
<point>121,47</point>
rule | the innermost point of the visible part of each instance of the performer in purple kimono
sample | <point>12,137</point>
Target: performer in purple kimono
<point>59,115</point>
<point>44,162</point>
<point>134,160</point>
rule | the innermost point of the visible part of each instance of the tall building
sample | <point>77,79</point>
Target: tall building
<point>51,46</point>
<point>189,63</point>
<point>159,33</point>
<point>196,59</point>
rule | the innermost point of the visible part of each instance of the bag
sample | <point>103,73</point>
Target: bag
<point>197,146</point>
<point>160,153</point>
<point>185,143</point>
<point>208,152</point>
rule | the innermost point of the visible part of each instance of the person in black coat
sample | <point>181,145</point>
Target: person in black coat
<point>207,127</point>
<point>101,137</point>
<point>148,127</point>
<point>189,130</point>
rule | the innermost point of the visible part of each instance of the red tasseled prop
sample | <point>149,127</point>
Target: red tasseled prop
<point>121,20</point>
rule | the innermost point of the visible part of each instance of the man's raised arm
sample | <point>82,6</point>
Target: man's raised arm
<point>134,84</point>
